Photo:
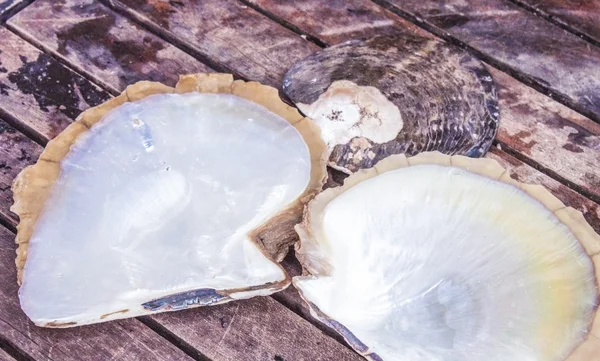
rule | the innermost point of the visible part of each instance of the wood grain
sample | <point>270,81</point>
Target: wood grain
<point>580,16</point>
<point>42,94</point>
<point>340,20</point>
<point>555,137</point>
<point>232,35</point>
<point>527,174</point>
<point>10,7</point>
<point>271,313</point>
<point>16,152</point>
<point>262,325</point>
<point>225,332</point>
<point>290,297</point>
<point>254,329</point>
<point>515,40</point>
<point>541,129</point>
<point>5,357</point>
<point>120,340</point>
<point>97,41</point>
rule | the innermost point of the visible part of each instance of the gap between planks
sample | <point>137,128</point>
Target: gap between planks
<point>158,31</point>
<point>530,81</point>
<point>547,171</point>
<point>23,128</point>
<point>149,25</point>
<point>550,18</point>
<point>498,64</point>
<point>173,338</point>
<point>315,40</point>
<point>12,9</point>
<point>72,67</point>
<point>170,38</point>
<point>506,147</point>
<point>43,140</point>
<point>12,351</point>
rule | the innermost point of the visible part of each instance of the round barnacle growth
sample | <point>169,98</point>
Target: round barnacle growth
<point>446,258</point>
<point>392,95</point>
<point>163,199</point>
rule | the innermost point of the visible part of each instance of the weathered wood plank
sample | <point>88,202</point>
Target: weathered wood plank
<point>255,329</point>
<point>16,152</point>
<point>95,40</point>
<point>261,325</point>
<point>10,7</point>
<point>579,16</point>
<point>340,20</point>
<point>515,40</point>
<point>272,327</point>
<point>548,133</point>
<point>553,136</point>
<point>5,357</point>
<point>182,329</point>
<point>120,340</point>
<point>272,314</point>
<point>41,93</point>
<point>233,35</point>
<point>524,173</point>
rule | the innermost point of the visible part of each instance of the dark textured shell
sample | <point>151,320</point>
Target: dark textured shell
<point>446,98</point>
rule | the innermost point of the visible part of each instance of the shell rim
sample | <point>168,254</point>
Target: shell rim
<point>570,217</point>
<point>33,184</point>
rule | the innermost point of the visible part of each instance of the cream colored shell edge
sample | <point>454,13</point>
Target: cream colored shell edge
<point>33,184</point>
<point>306,248</point>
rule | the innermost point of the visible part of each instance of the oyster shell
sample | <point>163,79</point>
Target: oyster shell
<point>391,95</point>
<point>447,258</point>
<point>172,198</point>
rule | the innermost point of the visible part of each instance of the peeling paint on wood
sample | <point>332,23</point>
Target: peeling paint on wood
<point>230,33</point>
<point>102,43</point>
<point>125,340</point>
<point>583,16</point>
<point>39,91</point>
<point>16,152</point>
<point>511,37</point>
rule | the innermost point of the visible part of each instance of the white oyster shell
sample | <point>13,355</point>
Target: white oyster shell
<point>433,262</point>
<point>152,209</point>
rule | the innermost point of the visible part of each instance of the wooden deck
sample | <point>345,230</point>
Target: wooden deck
<point>58,58</point>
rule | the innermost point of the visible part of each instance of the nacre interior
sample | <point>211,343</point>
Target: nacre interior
<point>434,262</point>
<point>156,200</point>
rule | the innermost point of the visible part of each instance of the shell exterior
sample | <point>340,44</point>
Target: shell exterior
<point>33,187</point>
<point>567,295</point>
<point>391,95</point>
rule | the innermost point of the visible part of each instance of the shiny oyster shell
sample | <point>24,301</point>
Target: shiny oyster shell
<point>163,199</point>
<point>391,95</point>
<point>447,258</point>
